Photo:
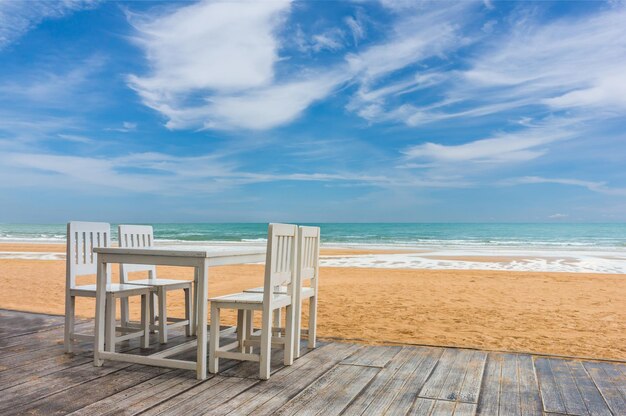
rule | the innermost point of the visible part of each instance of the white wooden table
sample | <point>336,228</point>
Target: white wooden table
<point>197,257</point>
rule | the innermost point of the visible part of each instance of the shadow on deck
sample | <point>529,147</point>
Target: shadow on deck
<point>36,377</point>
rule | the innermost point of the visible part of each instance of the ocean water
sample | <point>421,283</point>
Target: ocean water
<point>372,234</point>
<point>560,247</point>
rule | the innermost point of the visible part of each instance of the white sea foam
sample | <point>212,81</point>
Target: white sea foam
<point>575,261</point>
<point>446,257</point>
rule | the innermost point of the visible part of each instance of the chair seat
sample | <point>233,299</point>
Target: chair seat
<point>307,292</point>
<point>252,298</point>
<point>90,290</point>
<point>160,282</point>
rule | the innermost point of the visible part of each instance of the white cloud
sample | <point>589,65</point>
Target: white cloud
<point>53,87</point>
<point>570,63</point>
<point>356,25</point>
<point>213,67</point>
<point>594,186</point>
<point>18,17</point>
<point>75,138</point>
<point>332,40</point>
<point>195,60</point>
<point>526,144</point>
<point>127,127</point>
<point>159,173</point>
<point>557,216</point>
<point>209,45</point>
<point>420,34</point>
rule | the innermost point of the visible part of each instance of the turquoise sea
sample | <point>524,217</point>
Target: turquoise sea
<point>373,234</point>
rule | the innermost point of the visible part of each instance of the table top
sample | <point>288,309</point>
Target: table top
<point>183,251</point>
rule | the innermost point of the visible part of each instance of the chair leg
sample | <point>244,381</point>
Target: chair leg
<point>70,307</point>
<point>289,335</point>
<point>249,328</point>
<point>124,315</point>
<point>266,345</point>
<point>312,321</point>
<point>162,315</point>
<point>110,323</point>
<point>188,311</point>
<point>194,309</point>
<point>145,322</point>
<point>297,333</point>
<point>153,298</point>
<point>214,339</point>
<point>241,327</point>
<point>277,321</point>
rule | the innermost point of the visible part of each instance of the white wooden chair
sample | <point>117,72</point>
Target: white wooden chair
<point>82,237</point>
<point>142,236</point>
<point>307,270</point>
<point>280,270</point>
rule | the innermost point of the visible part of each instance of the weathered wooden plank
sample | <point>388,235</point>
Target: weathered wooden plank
<point>616,376</point>
<point>465,409</point>
<point>410,390</point>
<point>58,381</point>
<point>404,375</point>
<point>443,408</point>
<point>33,341</point>
<point>451,388</point>
<point>593,399</point>
<point>611,393</point>
<point>572,399</point>
<point>14,324</point>
<point>38,369</point>
<point>374,356</point>
<point>204,397</point>
<point>550,394</point>
<point>509,387</point>
<point>265,398</point>
<point>331,393</point>
<point>435,383</point>
<point>84,394</point>
<point>23,394</point>
<point>143,395</point>
<point>422,407</point>
<point>489,399</point>
<point>530,402</point>
<point>473,378</point>
<point>431,407</point>
<point>385,386</point>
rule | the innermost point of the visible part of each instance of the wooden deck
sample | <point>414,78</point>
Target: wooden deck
<point>36,377</point>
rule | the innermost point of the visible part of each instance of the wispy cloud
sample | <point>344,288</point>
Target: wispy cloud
<point>594,186</point>
<point>522,145</point>
<point>53,85</point>
<point>17,18</point>
<point>572,63</point>
<point>127,127</point>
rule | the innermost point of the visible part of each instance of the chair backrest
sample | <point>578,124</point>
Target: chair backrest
<point>308,255</point>
<point>82,238</point>
<point>280,264</point>
<point>135,236</point>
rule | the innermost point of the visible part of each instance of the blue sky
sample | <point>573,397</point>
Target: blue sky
<point>312,111</point>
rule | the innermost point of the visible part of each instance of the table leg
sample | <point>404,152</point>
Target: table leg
<point>194,309</point>
<point>201,319</point>
<point>101,280</point>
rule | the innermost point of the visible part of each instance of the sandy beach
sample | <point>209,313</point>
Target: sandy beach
<point>576,314</point>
